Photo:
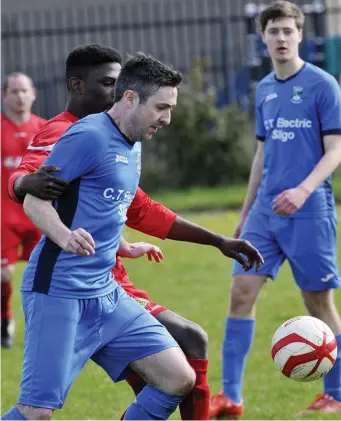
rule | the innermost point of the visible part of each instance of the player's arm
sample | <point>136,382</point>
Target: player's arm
<point>253,185</point>
<point>256,172</point>
<point>29,177</point>
<point>329,110</point>
<point>240,250</point>
<point>155,219</point>
<point>329,162</point>
<point>44,216</point>
<point>148,216</point>
<point>78,152</point>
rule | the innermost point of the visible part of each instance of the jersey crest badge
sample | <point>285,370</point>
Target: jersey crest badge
<point>297,95</point>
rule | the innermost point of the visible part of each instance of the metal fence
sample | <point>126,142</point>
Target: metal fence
<point>176,31</point>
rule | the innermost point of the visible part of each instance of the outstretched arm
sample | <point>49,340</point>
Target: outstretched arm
<point>240,250</point>
<point>154,219</point>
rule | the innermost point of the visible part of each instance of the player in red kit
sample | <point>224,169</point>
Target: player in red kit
<point>91,80</point>
<point>18,127</point>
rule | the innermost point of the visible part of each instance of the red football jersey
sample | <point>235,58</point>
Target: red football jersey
<point>144,214</point>
<point>14,141</point>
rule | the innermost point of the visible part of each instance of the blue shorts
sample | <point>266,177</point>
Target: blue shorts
<point>309,244</point>
<point>62,334</point>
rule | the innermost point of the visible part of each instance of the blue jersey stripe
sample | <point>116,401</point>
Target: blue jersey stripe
<point>67,206</point>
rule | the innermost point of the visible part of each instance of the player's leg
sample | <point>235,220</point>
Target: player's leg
<point>311,251</point>
<point>169,378</point>
<point>51,325</point>
<point>135,381</point>
<point>9,256</point>
<point>240,322</point>
<point>193,341</point>
<point>144,346</point>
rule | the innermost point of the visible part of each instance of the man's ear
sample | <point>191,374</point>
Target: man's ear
<point>129,97</point>
<point>76,85</point>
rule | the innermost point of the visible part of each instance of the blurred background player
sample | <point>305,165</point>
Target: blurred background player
<point>18,234</point>
<point>289,211</point>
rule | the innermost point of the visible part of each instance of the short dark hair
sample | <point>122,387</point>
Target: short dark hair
<point>14,75</point>
<point>281,9</point>
<point>83,59</point>
<point>145,75</point>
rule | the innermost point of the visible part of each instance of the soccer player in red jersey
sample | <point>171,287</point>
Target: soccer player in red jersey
<point>18,127</point>
<point>91,73</point>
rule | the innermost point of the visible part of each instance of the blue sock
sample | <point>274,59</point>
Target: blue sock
<point>152,404</point>
<point>13,414</point>
<point>332,380</point>
<point>237,343</point>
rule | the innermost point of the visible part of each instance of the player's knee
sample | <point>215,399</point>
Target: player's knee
<point>318,302</point>
<point>194,341</point>
<point>34,413</point>
<point>183,382</point>
<point>243,296</point>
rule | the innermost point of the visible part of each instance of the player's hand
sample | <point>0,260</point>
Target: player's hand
<point>135,250</point>
<point>242,251</point>
<point>43,185</point>
<point>290,201</point>
<point>80,242</point>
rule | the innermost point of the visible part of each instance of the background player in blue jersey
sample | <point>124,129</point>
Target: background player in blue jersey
<point>289,210</point>
<point>73,310</point>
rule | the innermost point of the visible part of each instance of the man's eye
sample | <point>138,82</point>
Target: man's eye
<point>109,83</point>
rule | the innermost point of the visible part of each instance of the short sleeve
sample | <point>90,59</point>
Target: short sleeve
<point>77,153</point>
<point>329,107</point>
<point>150,217</point>
<point>260,128</point>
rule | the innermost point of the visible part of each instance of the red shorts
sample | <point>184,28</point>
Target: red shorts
<point>143,299</point>
<point>17,241</point>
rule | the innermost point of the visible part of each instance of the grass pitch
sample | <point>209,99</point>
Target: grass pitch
<point>193,281</point>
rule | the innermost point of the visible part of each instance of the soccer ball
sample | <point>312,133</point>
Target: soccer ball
<point>304,348</point>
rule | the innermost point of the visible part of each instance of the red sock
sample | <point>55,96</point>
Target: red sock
<point>196,404</point>
<point>6,293</point>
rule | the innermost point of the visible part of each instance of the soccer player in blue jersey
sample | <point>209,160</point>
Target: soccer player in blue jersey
<point>289,210</point>
<point>73,309</point>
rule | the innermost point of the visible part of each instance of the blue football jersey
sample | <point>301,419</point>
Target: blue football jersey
<point>103,168</point>
<point>292,116</point>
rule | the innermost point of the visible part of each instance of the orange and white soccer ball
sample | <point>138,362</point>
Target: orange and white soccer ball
<point>304,348</point>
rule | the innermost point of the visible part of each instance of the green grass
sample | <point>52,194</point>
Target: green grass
<point>214,198</point>
<point>193,281</point>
